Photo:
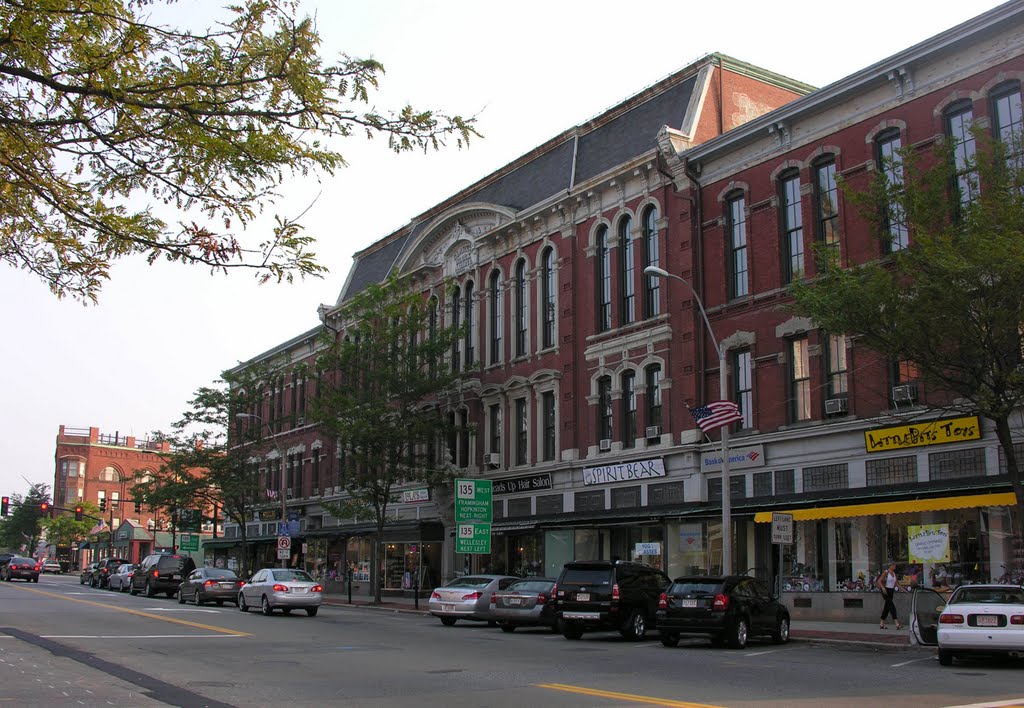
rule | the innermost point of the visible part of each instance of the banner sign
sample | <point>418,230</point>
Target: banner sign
<point>529,483</point>
<point>934,432</point>
<point>625,472</point>
<point>647,549</point>
<point>928,543</point>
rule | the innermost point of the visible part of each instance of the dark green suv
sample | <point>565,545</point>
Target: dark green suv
<point>608,595</point>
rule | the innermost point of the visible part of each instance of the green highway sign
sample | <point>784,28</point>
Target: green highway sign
<point>188,542</point>
<point>473,538</point>
<point>473,500</point>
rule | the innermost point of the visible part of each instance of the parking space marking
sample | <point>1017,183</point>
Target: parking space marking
<point>631,697</point>
<point>140,613</point>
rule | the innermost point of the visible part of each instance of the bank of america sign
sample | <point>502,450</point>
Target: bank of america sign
<point>739,457</point>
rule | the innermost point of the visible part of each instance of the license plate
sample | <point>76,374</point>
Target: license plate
<point>987,621</point>
<point>583,596</point>
<point>447,608</point>
<point>687,603</point>
<point>301,589</point>
<point>514,601</point>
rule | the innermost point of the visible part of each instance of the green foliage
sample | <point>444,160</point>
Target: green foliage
<point>22,527</point>
<point>63,530</point>
<point>107,116</point>
<point>953,301</point>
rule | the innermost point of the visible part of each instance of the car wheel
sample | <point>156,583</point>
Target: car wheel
<point>286,610</point>
<point>265,607</point>
<point>150,592</point>
<point>781,633</point>
<point>172,593</point>
<point>220,603</point>
<point>93,582</point>
<point>123,588</point>
<point>635,627</point>
<point>448,621</point>
<point>507,627</point>
<point>241,603</point>
<point>181,598</point>
<point>571,631</point>
<point>669,639</point>
<point>199,600</point>
<point>311,611</point>
<point>945,657</point>
<point>35,579</point>
<point>738,637</point>
<point>81,580</point>
<point>132,591</point>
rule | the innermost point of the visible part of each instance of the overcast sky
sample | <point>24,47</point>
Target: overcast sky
<point>528,70</point>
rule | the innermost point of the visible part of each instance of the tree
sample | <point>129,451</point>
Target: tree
<point>22,527</point>
<point>107,114</point>
<point>952,302</point>
<point>63,530</point>
<point>389,380</point>
<point>204,469</point>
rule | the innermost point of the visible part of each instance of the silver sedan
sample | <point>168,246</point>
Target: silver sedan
<point>281,588</point>
<point>468,597</point>
<point>121,579</point>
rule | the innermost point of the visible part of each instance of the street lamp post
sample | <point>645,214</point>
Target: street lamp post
<point>280,457</point>
<point>723,393</point>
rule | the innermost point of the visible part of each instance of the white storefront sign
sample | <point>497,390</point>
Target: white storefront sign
<point>625,472</point>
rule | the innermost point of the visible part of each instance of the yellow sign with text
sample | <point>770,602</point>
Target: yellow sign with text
<point>931,432</point>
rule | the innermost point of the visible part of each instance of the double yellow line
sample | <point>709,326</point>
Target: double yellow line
<point>631,697</point>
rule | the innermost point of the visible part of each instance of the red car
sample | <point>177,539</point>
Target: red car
<point>25,568</point>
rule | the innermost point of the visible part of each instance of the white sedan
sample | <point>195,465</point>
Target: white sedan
<point>280,588</point>
<point>977,619</point>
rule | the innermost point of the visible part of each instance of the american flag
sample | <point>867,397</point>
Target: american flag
<point>716,414</point>
<point>271,494</point>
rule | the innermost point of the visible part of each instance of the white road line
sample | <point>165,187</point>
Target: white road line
<point>990,704</point>
<point>137,636</point>
<point>178,609</point>
<point>762,653</point>
<point>912,661</point>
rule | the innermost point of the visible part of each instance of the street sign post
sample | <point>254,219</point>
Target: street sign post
<point>782,535</point>
<point>284,547</point>
<point>473,515</point>
<point>189,542</point>
<point>473,538</point>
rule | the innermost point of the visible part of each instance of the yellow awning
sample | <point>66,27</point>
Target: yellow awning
<point>894,507</point>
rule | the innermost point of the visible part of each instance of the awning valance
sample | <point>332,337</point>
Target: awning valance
<point>894,507</point>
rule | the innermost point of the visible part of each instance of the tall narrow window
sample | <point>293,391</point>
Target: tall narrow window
<point>494,419</point>
<point>522,433</point>
<point>799,380</point>
<point>463,419</point>
<point>652,283</point>
<point>736,207</point>
<point>653,375</point>
<point>314,471</point>
<point>826,203</point>
<point>494,316</point>
<point>629,409</point>
<point>456,323</point>
<point>792,227</point>
<point>547,298</point>
<point>743,387</point>
<point>453,439</point>
<point>547,401</point>
<point>604,408</point>
<point>522,315</point>
<point>627,291</point>
<point>890,164</point>
<point>470,331</point>
<point>959,119</point>
<point>837,366</point>
<point>1008,122</point>
<point>604,281</point>
<point>432,335</point>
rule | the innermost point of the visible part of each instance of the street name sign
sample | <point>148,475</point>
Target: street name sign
<point>473,538</point>
<point>189,542</point>
<point>473,500</point>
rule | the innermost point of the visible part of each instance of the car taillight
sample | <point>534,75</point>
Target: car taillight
<point>241,583</point>
<point>280,588</point>
<point>951,619</point>
<point>721,603</point>
<point>662,601</point>
<point>554,591</point>
<point>1016,619</point>
<point>472,596</point>
<point>208,583</point>
<point>317,588</point>
<point>435,596</point>
<point>156,573</point>
<point>615,592</point>
<point>494,601</point>
<point>542,599</point>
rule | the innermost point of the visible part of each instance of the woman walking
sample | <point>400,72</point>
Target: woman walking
<point>887,586</point>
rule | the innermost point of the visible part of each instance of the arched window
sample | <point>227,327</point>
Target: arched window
<point>494,316</point>
<point>627,289</point>
<point>1008,121</point>
<point>604,408</point>
<point>826,202</point>
<point>456,323</point>
<point>628,426</point>
<point>890,164</point>
<point>736,219</point>
<point>548,298</point>
<point>470,332</point>
<point>653,376</point>
<point>604,281</point>
<point>432,334</point>
<point>522,314</point>
<point>792,226</point>
<point>109,474</point>
<point>652,283</point>
<point>959,120</point>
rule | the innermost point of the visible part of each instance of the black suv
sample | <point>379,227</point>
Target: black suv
<point>161,572</point>
<point>101,575</point>
<point>608,595</point>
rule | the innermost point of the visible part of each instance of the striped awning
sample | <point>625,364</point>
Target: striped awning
<point>894,507</point>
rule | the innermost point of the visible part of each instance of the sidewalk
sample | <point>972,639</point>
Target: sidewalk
<point>819,631</point>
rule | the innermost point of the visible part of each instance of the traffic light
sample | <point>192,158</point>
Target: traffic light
<point>44,509</point>
<point>78,513</point>
<point>103,504</point>
<point>5,503</point>
<point>138,507</point>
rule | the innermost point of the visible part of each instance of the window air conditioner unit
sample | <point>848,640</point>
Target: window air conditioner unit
<point>291,494</point>
<point>316,491</point>
<point>835,406</point>
<point>605,444</point>
<point>494,458</point>
<point>907,393</point>
<point>653,431</point>
<point>337,490</point>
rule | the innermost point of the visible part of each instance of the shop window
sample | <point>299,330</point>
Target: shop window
<point>956,464</point>
<point>891,470</point>
<point>737,484</point>
<point>550,504</point>
<point>589,500</point>
<point>519,507</point>
<point>626,497</point>
<point>785,482</point>
<point>826,477</point>
<point>665,493</point>
<point>498,508</point>
<point>762,484</point>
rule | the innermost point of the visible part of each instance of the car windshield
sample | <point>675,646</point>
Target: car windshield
<point>469,582</point>
<point>996,596</point>
<point>694,588</point>
<point>532,586</point>
<point>587,576</point>
<point>220,573</point>
<point>292,575</point>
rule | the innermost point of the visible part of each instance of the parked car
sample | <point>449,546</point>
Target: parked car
<point>977,620</point>
<point>86,575</point>
<point>210,585</point>
<point>101,576</point>
<point>468,597</point>
<point>121,579</point>
<point>51,566</point>
<point>525,603</point>
<point>281,588</point>
<point>608,595</point>
<point>23,568</point>
<point>161,572</point>
<point>729,608</point>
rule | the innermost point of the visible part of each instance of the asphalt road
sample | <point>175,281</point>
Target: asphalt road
<point>62,643</point>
